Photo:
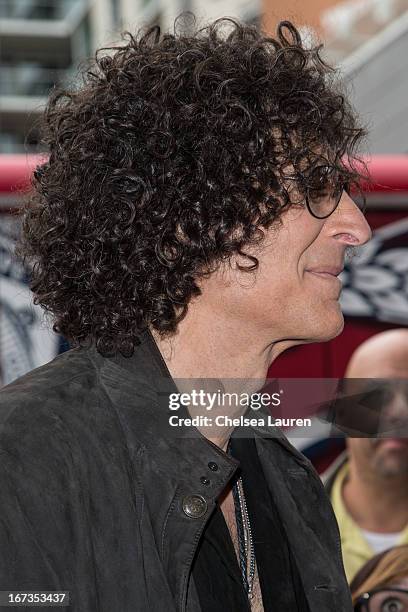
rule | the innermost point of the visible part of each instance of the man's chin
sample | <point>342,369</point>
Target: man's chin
<point>329,327</point>
<point>392,465</point>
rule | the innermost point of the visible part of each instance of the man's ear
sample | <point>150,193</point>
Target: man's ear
<point>241,270</point>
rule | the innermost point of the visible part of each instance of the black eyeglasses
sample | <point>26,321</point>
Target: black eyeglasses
<point>323,191</point>
<point>386,599</point>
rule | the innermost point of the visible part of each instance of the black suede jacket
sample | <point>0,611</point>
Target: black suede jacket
<point>99,500</point>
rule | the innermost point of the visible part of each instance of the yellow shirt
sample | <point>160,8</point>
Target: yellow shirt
<point>356,549</point>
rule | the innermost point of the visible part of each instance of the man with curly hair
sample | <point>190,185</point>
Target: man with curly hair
<point>189,226</point>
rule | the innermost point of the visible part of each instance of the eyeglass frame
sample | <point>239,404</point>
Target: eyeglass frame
<point>364,599</point>
<point>343,186</point>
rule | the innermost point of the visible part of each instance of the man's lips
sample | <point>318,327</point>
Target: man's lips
<point>326,271</point>
<point>332,270</point>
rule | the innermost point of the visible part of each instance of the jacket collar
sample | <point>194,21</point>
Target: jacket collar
<point>139,387</point>
<point>143,381</point>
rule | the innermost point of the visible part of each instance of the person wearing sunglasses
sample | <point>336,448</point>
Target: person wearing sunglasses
<point>368,482</point>
<point>190,224</point>
<point>381,585</point>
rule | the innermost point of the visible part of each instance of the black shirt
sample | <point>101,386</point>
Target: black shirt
<point>216,572</point>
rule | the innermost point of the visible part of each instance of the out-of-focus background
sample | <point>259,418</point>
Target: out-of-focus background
<point>42,43</point>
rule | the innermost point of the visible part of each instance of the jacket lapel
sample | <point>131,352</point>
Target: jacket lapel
<point>308,522</point>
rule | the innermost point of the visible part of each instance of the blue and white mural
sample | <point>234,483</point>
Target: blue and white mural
<point>375,281</point>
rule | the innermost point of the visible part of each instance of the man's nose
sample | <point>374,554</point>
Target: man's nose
<point>348,223</point>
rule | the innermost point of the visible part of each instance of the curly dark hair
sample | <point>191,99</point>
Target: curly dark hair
<point>165,160</point>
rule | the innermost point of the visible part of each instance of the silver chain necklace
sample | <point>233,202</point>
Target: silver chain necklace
<point>245,538</point>
<point>245,541</point>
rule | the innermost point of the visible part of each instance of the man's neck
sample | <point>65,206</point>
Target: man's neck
<point>217,351</point>
<point>376,504</point>
<point>218,354</point>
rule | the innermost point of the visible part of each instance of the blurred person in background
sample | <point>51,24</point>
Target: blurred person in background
<point>191,223</point>
<point>381,585</point>
<point>368,483</point>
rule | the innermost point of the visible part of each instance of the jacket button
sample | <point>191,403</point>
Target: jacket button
<point>194,506</point>
<point>213,466</point>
